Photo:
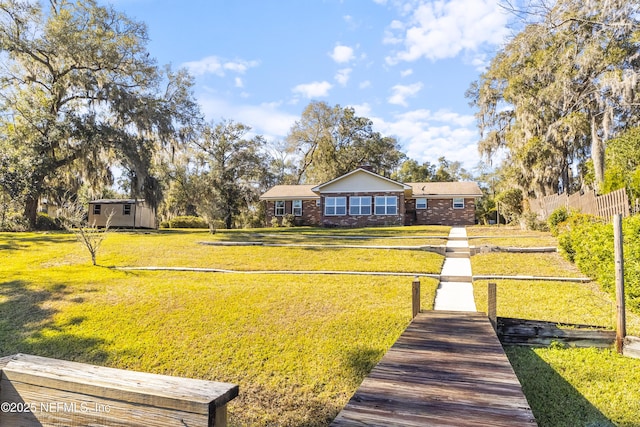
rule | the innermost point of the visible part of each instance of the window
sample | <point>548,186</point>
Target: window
<point>126,209</point>
<point>96,209</point>
<point>421,203</point>
<point>335,206</point>
<point>458,203</point>
<point>279,208</point>
<point>360,205</point>
<point>386,205</point>
<point>297,207</point>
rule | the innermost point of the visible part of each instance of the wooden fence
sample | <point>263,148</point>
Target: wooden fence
<point>604,206</point>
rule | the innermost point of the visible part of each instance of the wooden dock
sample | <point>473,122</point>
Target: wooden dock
<point>447,369</point>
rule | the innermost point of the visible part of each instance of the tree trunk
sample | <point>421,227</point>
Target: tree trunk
<point>31,211</point>
<point>597,154</point>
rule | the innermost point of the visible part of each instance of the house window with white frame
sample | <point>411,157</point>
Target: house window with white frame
<point>360,205</point>
<point>279,208</point>
<point>126,209</point>
<point>421,203</point>
<point>458,203</point>
<point>386,205</point>
<point>297,207</point>
<point>335,206</point>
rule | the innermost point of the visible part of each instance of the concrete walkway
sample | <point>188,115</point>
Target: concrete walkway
<point>455,292</point>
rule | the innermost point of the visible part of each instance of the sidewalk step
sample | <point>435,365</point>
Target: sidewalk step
<point>458,254</point>
<point>457,279</point>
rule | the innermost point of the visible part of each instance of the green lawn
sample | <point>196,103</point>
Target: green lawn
<point>183,249</point>
<point>523,264</point>
<point>564,386</point>
<point>298,345</point>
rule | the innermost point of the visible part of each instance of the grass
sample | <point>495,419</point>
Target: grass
<point>578,387</point>
<point>298,346</point>
<point>514,264</point>
<point>182,249</point>
<point>560,302</point>
<point>508,236</point>
<point>564,386</point>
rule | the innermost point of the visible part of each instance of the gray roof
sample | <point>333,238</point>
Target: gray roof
<point>115,201</point>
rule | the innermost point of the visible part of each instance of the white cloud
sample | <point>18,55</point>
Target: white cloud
<point>218,66</point>
<point>400,93</point>
<point>426,135</point>
<point>239,82</point>
<point>265,119</point>
<point>406,72</point>
<point>342,76</point>
<point>365,84</point>
<point>342,54</point>
<point>313,89</point>
<point>445,28</point>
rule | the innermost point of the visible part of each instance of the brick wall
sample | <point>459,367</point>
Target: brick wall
<point>310,212</point>
<point>441,212</point>
<point>365,220</point>
<point>438,212</point>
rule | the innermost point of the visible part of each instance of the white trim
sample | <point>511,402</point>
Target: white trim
<point>453,203</point>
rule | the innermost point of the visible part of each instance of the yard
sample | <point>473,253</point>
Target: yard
<point>564,386</point>
<point>298,345</point>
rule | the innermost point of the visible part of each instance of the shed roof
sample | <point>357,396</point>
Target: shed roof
<point>115,201</point>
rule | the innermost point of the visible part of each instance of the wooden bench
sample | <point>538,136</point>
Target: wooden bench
<point>39,391</point>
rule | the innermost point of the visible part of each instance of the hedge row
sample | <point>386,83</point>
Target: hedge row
<point>588,241</point>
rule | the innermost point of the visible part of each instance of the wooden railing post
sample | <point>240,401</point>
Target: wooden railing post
<point>415,296</point>
<point>492,305</point>
<point>621,325</point>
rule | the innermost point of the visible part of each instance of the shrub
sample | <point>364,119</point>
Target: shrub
<point>588,241</point>
<point>532,222</point>
<point>45,223</point>
<point>289,220</point>
<point>274,222</point>
<point>558,216</point>
<point>186,222</point>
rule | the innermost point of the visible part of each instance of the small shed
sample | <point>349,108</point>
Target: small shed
<point>128,213</point>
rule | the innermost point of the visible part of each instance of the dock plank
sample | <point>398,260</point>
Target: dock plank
<point>447,369</point>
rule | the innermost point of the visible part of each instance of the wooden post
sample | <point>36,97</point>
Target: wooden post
<point>621,324</point>
<point>492,305</point>
<point>415,296</point>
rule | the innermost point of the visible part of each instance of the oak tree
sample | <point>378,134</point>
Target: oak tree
<point>79,94</point>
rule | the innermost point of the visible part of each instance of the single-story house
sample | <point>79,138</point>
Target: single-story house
<point>129,213</point>
<point>363,198</point>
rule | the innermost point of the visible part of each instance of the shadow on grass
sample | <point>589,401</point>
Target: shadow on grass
<point>554,402</point>
<point>360,361</point>
<point>14,241</point>
<point>26,326</point>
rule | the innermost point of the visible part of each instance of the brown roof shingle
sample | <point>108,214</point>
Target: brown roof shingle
<point>289,192</point>
<point>450,189</point>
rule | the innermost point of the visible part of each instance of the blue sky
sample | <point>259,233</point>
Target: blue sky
<point>405,64</point>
